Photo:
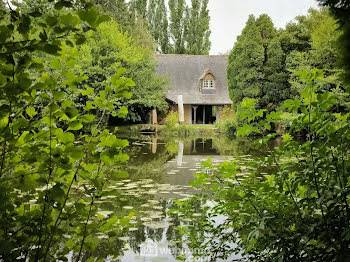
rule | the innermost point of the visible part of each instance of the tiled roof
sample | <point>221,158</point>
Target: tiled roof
<point>185,72</point>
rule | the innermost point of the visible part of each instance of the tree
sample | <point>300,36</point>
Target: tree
<point>322,52</point>
<point>101,55</point>
<point>129,19</point>
<point>54,158</point>
<point>266,28</point>
<point>177,10</point>
<point>118,10</point>
<point>245,64</point>
<point>197,29</point>
<point>276,87</point>
<point>341,9</point>
<point>297,212</point>
<point>158,22</point>
<point>139,8</point>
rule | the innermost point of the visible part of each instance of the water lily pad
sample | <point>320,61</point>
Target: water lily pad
<point>104,213</point>
<point>153,201</point>
<point>124,238</point>
<point>156,216</point>
<point>147,186</point>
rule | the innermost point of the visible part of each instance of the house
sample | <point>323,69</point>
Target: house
<point>198,86</point>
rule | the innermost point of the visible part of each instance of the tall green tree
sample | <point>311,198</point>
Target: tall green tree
<point>138,7</point>
<point>108,48</point>
<point>321,52</point>
<point>266,28</point>
<point>158,22</point>
<point>197,31</point>
<point>276,87</point>
<point>177,9</point>
<point>129,19</point>
<point>256,67</point>
<point>244,71</point>
<point>341,10</point>
<point>118,10</point>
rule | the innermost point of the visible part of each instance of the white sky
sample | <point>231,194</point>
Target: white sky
<point>228,17</point>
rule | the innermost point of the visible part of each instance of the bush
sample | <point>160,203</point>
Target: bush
<point>172,121</point>
<point>227,124</point>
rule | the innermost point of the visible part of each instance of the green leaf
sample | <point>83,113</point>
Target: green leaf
<point>51,49</point>
<point>58,95</point>
<point>24,26</point>
<point>71,112</point>
<point>31,111</point>
<point>71,63</point>
<point>124,221</point>
<point>51,20</point>
<point>89,106</point>
<point>70,244</point>
<point>66,103</point>
<point>75,126</point>
<point>87,91</point>
<point>120,71</point>
<point>56,64</point>
<point>66,137</point>
<point>87,118</point>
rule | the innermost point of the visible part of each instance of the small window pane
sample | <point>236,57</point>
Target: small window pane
<point>208,84</point>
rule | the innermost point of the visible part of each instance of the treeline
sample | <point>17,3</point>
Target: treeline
<point>265,61</point>
<point>119,42</point>
<point>176,29</point>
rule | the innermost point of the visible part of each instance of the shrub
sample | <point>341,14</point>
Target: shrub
<point>172,121</point>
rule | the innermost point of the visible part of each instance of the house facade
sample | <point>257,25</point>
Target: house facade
<point>198,86</point>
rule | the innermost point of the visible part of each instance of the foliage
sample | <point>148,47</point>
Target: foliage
<point>158,22</point>
<point>300,211</point>
<point>106,49</point>
<point>270,75</point>
<point>340,9</point>
<point>177,29</point>
<point>322,53</point>
<point>177,10</point>
<point>244,74</point>
<point>128,20</point>
<point>256,67</point>
<point>276,88</point>
<point>52,170</point>
<point>228,122</point>
<point>197,31</point>
<point>172,120</point>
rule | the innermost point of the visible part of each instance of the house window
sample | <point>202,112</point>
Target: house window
<point>208,84</point>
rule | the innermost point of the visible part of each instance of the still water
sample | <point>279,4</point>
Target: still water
<point>157,174</point>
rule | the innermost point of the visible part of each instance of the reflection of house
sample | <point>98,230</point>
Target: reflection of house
<point>198,86</point>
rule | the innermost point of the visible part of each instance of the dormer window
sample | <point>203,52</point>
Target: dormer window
<point>208,84</point>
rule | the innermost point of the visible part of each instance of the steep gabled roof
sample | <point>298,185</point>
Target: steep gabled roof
<point>185,73</point>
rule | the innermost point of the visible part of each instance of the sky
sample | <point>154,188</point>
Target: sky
<point>228,17</point>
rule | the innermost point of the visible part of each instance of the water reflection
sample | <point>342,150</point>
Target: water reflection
<point>159,173</point>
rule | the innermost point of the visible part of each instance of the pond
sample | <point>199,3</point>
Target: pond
<point>158,173</point>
